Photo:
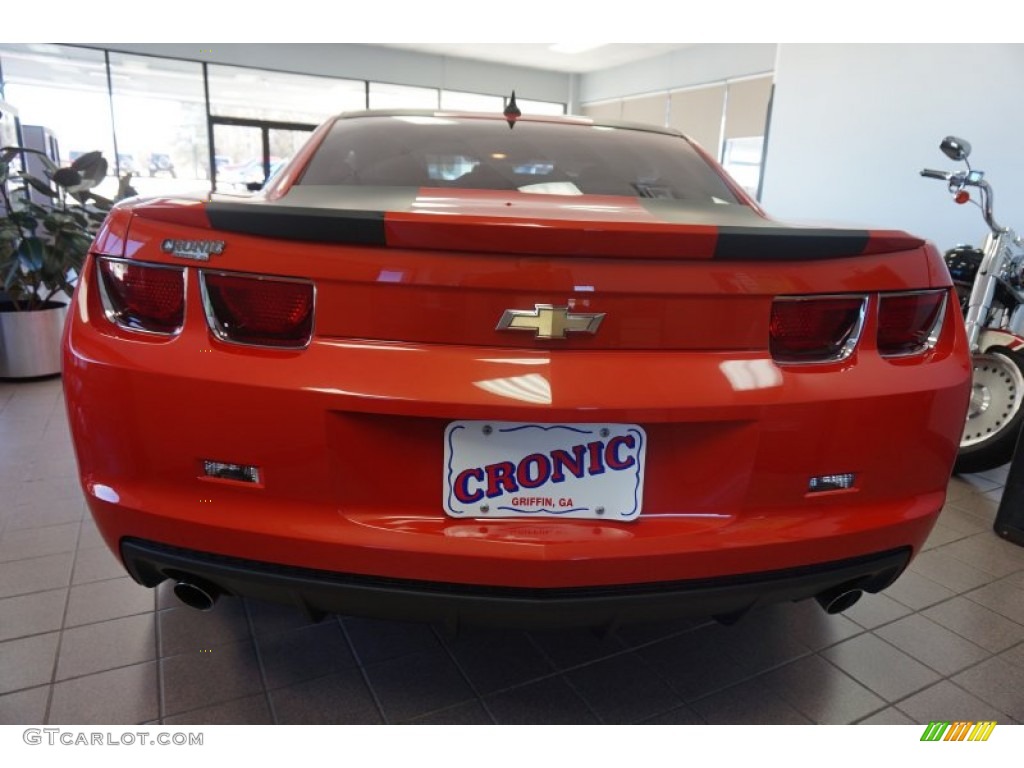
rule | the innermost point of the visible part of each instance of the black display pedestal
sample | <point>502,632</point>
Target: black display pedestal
<point>1009,522</point>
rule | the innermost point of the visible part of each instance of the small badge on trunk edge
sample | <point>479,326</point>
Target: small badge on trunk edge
<point>197,250</point>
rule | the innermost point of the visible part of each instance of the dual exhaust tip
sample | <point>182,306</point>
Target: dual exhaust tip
<point>838,599</point>
<point>196,593</point>
<point>832,601</point>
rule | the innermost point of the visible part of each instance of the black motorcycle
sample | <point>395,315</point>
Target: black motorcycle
<point>990,284</point>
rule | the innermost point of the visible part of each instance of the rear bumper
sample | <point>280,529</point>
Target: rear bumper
<point>321,591</point>
<point>356,486</point>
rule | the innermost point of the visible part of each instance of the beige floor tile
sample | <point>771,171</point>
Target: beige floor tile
<point>32,614</point>
<point>98,647</point>
<point>122,696</point>
<point>27,662</point>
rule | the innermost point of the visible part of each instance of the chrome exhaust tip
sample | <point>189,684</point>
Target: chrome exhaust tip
<point>196,593</point>
<point>839,599</point>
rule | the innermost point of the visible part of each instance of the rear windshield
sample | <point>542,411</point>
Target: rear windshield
<point>535,157</point>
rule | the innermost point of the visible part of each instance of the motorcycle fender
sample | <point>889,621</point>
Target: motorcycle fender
<point>991,337</point>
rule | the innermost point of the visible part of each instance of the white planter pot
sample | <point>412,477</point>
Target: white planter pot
<point>30,341</point>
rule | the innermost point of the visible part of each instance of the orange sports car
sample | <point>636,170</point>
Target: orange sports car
<point>542,371</point>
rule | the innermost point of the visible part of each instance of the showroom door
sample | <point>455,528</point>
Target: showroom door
<point>246,153</point>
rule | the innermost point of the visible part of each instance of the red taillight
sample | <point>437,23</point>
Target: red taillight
<point>142,297</point>
<point>908,323</point>
<point>815,329</point>
<point>259,310</point>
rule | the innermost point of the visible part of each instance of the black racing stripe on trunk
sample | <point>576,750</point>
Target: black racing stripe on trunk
<point>788,244</point>
<point>288,222</point>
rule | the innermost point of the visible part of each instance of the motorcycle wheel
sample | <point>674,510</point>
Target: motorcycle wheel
<point>995,414</point>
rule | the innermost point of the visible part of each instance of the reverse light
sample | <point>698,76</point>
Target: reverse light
<point>822,483</point>
<point>815,329</point>
<point>149,298</point>
<point>220,470</point>
<point>909,323</point>
<point>257,310</point>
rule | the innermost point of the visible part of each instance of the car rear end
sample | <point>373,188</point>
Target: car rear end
<point>309,396</point>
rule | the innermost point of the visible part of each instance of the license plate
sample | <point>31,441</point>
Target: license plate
<point>498,469</point>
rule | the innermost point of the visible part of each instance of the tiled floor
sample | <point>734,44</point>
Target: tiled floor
<point>81,643</point>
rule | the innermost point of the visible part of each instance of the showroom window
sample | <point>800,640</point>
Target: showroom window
<point>746,116</point>
<point>646,109</point>
<point>62,89</point>
<point>471,102</point>
<point>281,96</point>
<point>180,125</point>
<point>479,102</point>
<point>742,159</point>
<point>261,118</point>
<point>387,96</point>
<point>531,107</point>
<point>728,120</point>
<point>605,110</point>
<point>160,113</point>
<point>697,112</point>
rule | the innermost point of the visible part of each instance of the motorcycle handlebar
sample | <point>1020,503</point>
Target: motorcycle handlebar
<point>932,174</point>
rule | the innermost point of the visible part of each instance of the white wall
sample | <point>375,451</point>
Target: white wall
<point>706,63</point>
<point>853,124</point>
<point>368,62</point>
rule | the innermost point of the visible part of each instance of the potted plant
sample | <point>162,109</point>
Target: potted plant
<point>46,227</point>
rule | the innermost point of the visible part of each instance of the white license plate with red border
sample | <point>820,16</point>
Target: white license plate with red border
<point>495,469</point>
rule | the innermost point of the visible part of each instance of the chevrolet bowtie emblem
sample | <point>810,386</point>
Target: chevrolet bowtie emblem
<point>550,322</point>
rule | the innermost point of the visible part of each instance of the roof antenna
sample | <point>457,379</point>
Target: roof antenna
<point>512,111</point>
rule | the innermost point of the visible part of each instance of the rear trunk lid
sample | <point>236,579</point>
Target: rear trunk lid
<point>444,266</point>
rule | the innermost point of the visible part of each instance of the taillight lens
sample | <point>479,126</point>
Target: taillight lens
<point>142,297</point>
<point>909,323</point>
<point>269,312</point>
<point>816,329</point>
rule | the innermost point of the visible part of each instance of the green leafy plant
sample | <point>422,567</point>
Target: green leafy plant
<point>43,246</point>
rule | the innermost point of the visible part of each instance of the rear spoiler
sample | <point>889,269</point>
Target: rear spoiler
<point>651,229</point>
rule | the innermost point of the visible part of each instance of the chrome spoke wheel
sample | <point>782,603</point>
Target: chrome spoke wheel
<point>998,386</point>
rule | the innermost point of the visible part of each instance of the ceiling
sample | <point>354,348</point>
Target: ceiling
<point>540,55</point>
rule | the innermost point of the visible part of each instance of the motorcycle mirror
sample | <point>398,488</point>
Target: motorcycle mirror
<point>955,148</point>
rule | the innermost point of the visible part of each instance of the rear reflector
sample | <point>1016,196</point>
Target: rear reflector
<point>818,329</point>
<point>909,323</point>
<point>142,297</point>
<point>263,311</point>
